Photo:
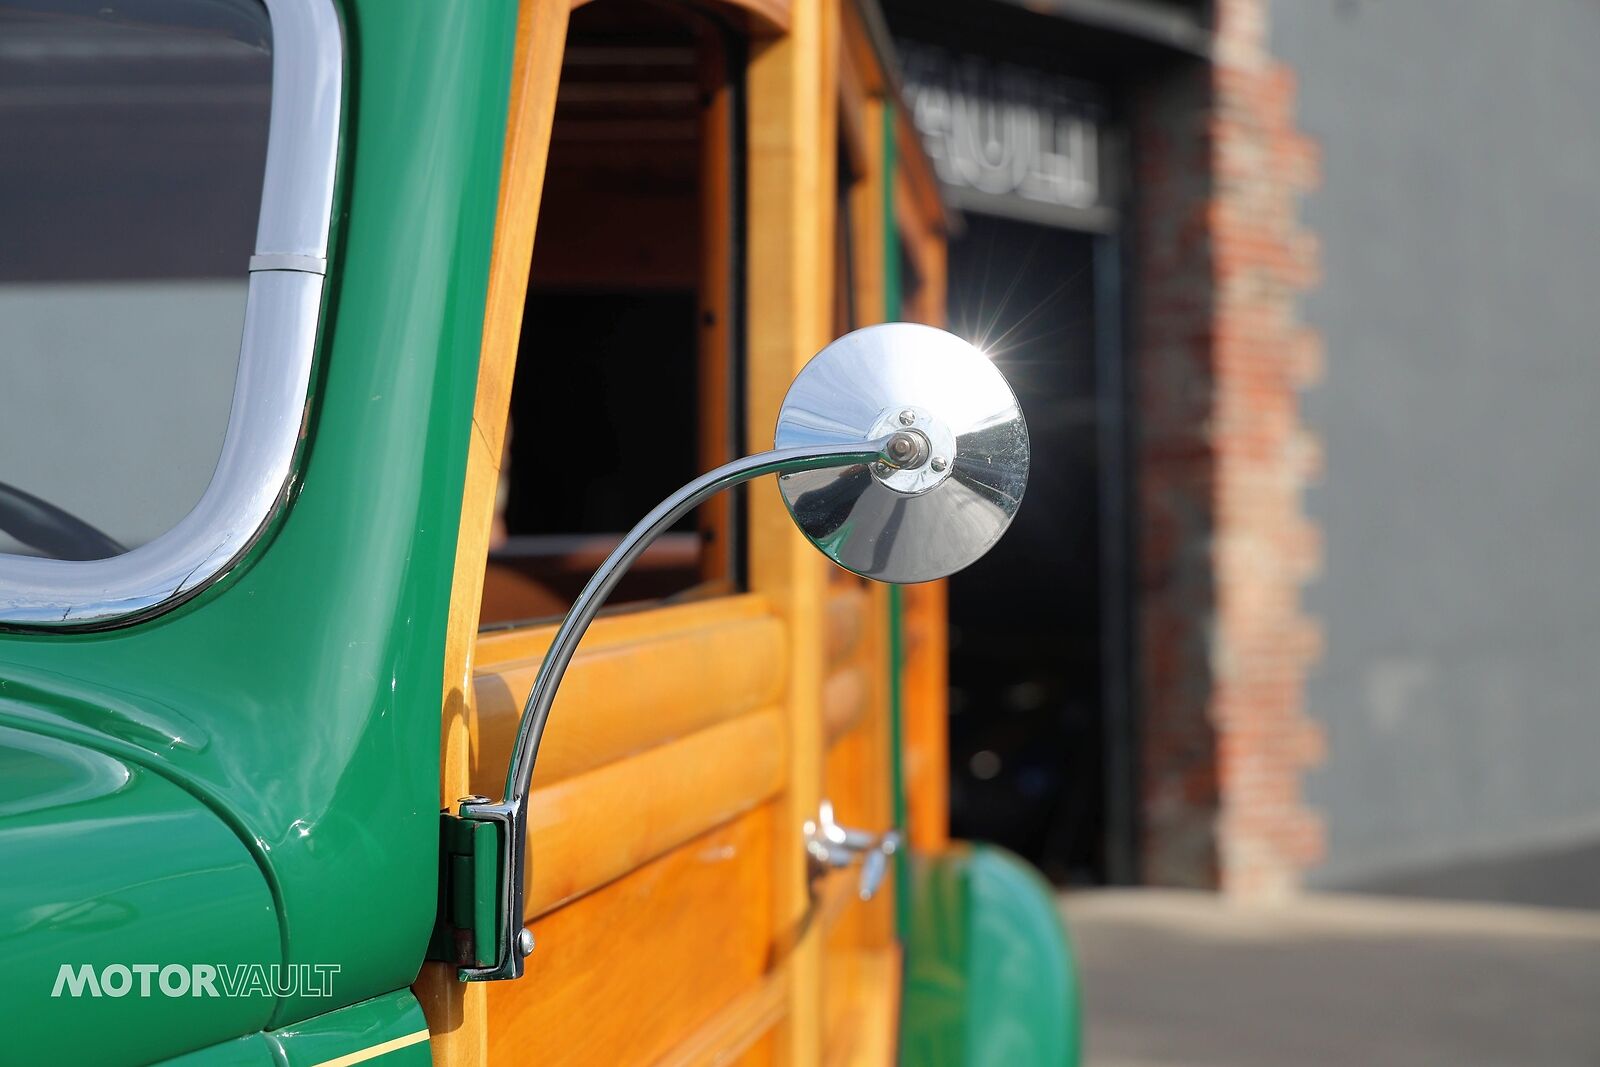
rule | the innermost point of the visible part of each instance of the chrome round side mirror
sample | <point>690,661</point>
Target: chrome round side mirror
<point>901,453</point>
<point>955,487</point>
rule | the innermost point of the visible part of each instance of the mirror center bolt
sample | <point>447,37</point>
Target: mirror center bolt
<point>920,452</point>
<point>907,449</point>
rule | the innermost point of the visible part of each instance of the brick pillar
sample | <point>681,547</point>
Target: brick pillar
<point>1224,543</point>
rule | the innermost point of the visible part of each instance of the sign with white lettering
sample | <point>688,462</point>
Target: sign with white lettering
<point>1006,140</point>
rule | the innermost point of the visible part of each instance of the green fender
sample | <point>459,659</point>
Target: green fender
<point>990,977</point>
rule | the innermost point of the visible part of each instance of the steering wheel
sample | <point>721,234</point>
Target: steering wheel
<point>52,531</point>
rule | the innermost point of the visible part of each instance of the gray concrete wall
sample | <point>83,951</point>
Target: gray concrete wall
<point>1460,416</point>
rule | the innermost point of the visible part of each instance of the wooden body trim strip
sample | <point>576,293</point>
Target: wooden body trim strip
<point>621,698</point>
<point>767,18</point>
<point>457,1014</point>
<point>372,1052</point>
<point>737,1026</point>
<point>595,828</point>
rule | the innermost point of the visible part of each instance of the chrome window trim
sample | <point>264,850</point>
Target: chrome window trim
<point>272,388</point>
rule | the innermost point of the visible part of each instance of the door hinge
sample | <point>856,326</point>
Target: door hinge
<point>466,929</point>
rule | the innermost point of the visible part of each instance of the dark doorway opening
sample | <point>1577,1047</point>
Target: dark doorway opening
<point>1040,741</point>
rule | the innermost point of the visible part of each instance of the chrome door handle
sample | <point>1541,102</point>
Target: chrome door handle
<point>833,847</point>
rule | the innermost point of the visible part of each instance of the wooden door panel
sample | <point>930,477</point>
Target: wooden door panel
<point>862,1030</point>
<point>622,974</point>
<point>855,777</point>
<point>846,619</point>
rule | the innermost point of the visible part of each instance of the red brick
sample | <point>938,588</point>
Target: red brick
<point>1223,460</point>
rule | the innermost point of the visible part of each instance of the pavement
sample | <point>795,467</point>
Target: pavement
<point>1185,978</point>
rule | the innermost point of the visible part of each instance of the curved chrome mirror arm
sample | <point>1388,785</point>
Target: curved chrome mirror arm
<point>511,811</point>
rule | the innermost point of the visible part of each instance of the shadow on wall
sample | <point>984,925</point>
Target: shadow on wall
<point>1552,876</point>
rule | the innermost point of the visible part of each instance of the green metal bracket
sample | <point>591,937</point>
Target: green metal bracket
<point>468,921</point>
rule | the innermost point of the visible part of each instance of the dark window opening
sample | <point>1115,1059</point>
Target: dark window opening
<point>846,316</point>
<point>626,383</point>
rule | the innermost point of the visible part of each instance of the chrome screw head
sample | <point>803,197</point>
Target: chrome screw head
<point>939,463</point>
<point>907,417</point>
<point>525,942</point>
